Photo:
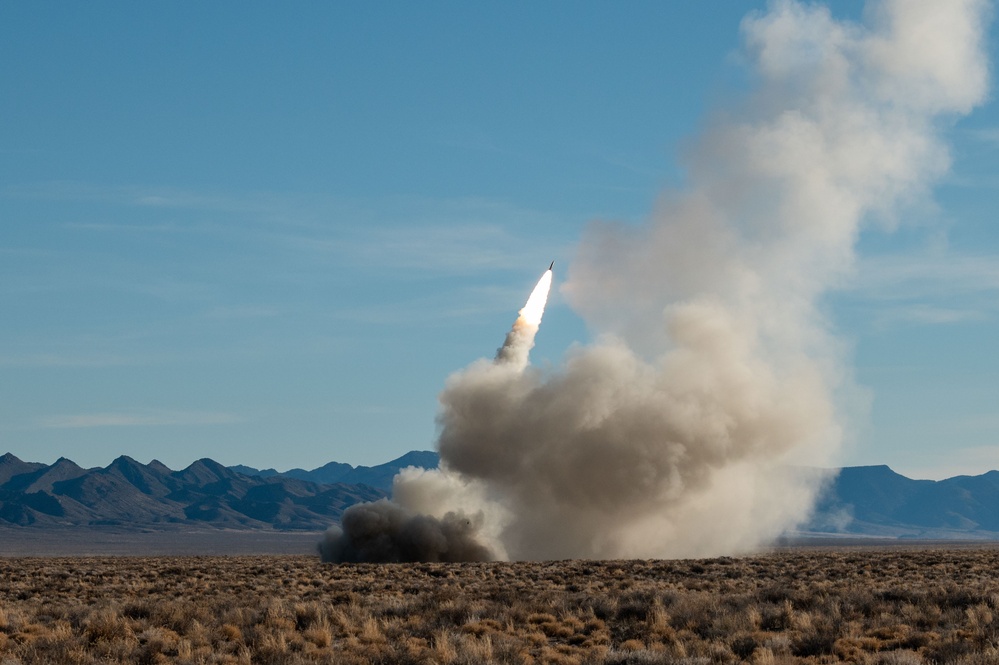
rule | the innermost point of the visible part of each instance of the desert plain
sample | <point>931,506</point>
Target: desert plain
<point>928,603</point>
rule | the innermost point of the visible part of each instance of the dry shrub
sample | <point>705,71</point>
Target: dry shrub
<point>230,633</point>
<point>11,620</point>
<point>108,626</point>
<point>443,648</point>
<point>320,634</point>
<point>875,606</point>
<point>778,618</point>
<point>898,657</point>
<point>744,646</point>
<point>482,627</point>
<point>473,649</point>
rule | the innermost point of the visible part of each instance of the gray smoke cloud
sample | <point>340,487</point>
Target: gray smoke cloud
<point>714,370</point>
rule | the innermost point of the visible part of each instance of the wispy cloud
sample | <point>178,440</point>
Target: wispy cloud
<point>433,237</point>
<point>927,315</point>
<point>445,236</point>
<point>240,312</point>
<point>143,195</point>
<point>937,287</point>
<point>64,360</point>
<point>138,419</point>
<point>107,227</point>
<point>440,248</point>
<point>939,272</point>
<point>987,135</point>
<point>461,304</point>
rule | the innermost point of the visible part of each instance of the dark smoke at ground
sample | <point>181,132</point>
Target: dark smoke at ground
<point>383,532</point>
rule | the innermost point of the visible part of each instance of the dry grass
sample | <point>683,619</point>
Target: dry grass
<point>886,606</point>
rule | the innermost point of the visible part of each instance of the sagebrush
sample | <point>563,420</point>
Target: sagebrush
<point>900,606</point>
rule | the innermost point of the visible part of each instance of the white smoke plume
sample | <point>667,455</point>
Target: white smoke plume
<point>714,370</point>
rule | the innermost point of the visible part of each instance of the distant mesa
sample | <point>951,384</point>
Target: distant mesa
<point>876,501</point>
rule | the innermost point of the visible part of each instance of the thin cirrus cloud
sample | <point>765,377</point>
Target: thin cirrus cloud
<point>445,236</point>
<point>928,315</point>
<point>65,360</point>
<point>142,196</point>
<point>137,419</point>
<point>987,135</point>
<point>929,288</point>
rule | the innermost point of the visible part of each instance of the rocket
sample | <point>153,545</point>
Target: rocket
<point>552,265</point>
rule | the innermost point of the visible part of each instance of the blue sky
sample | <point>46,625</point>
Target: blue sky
<point>267,234</point>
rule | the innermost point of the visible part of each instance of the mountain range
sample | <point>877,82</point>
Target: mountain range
<point>337,472</point>
<point>876,501</point>
<point>869,501</point>
<point>127,493</point>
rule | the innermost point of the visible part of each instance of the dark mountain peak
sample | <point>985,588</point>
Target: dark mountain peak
<point>146,479</point>
<point>205,472</point>
<point>124,462</point>
<point>129,466</point>
<point>987,475</point>
<point>334,465</point>
<point>211,465</point>
<point>42,478</point>
<point>11,466</point>
<point>327,474</point>
<point>986,482</point>
<point>159,467</point>
<point>205,464</point>
<point>426,459</point>
<point>251,471</point>
<point>379,476</point>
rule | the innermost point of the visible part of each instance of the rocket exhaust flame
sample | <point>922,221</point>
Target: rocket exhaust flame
<point>520,340</point>
<point>532,312</point>
<point>713,372</point>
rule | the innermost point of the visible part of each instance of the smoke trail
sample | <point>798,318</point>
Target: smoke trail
<point>714,369</point>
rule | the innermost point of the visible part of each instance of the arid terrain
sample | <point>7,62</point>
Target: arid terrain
<point>863,605</point>
<point>115,541</point>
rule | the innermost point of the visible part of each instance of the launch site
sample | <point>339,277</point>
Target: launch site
<point>285,379</point>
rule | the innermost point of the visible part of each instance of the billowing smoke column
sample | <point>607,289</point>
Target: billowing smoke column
<point>714,371</point>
